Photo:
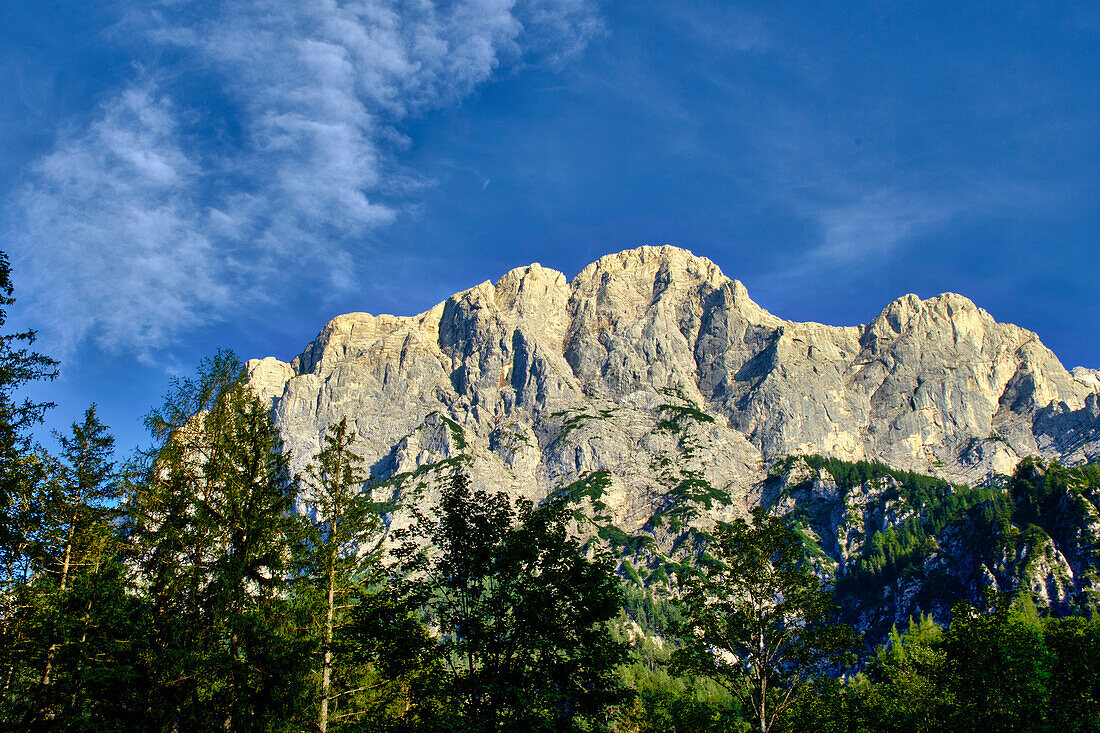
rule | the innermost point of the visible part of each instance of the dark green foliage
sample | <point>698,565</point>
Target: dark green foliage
<point>1015,526</point>
<point>665,701</point>
<point>1073,646</point>
<point>74,559</point>
<point>90,636</point>
<point>458,435</point>
<point>1001,669</point>
<point>591,486</point>
<point>679,413</point>
<point>22,478</point>
<point>1051,500</point>
<point>627,544</point>
<point>20,470</point>
<point>998,669</point>
<point>916,489</point>
<point>905,694</point>
<point>654,612</point>
<point>677,704</point>
<point>402,679</point>
<point>697,490</point>
<point>523,613</point>
<point>82,629</point>
<point>212,524</point>
<point>79,501</point>
<point>576,419</point>
<point>1040,509</point>
<point>899,551</point>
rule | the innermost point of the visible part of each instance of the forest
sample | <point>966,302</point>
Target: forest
<point>198,585</point>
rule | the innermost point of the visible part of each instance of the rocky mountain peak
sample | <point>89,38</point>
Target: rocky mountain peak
<point>648,265</point>
<point>653,368</point>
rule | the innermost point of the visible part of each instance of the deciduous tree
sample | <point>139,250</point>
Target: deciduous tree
<point>758,620</point>
<point>522,612</point>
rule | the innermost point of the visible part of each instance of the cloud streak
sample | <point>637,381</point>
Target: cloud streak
<point>267,148</point>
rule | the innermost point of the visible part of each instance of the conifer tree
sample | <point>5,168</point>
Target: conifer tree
<point>19,468</point>
<point>213,525</point>
<point>82,492</point>
<point>342,544</point>
<point>21,477</point>
<point>76,536</point>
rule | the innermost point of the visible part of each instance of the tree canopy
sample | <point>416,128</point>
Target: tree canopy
<point>758,620</point>
<point>523,612</point>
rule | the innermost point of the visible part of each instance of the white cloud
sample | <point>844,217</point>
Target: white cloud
<point>876,223</point>
<point>109,237</point>
<point>166,212</point>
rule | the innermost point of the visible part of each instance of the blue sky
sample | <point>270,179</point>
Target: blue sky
<point>181,175</point>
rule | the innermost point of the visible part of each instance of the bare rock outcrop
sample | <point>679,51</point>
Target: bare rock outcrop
<point>654,369</point>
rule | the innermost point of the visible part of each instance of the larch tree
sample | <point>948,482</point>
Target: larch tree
<point>341,546</point>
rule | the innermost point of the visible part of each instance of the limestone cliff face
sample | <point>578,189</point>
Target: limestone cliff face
<point>656,372</point>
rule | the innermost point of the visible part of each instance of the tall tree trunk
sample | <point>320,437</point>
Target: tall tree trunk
<point>68,553</point>
<point>49,664</point>
<point>51,652</point>
<point>234,655</point>
<point>7,681</point>
<point>763,689</point>
<point>8,583</point>
<point>326,663</point>
<point>78,673</point>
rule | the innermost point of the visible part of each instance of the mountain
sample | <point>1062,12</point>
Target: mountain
<point>653,389</point>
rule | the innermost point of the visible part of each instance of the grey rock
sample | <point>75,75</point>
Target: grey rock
<point>654,367</point>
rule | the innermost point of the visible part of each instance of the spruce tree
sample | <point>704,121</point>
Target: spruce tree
<point>213,524</point>
<point>21,476</point>
<point>75,539</point>
<point>82,493</point>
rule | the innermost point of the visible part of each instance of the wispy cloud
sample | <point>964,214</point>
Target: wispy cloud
<point>865,222</point>
<point>169,210</point>
<point>875,224</point>
<point>724,26</point>
<point>109,236</point>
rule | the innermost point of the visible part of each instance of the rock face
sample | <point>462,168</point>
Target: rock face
<point>655,372</point>
<point>898,545</point>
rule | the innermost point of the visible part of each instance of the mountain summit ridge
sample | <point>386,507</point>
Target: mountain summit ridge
<point>651,366</point>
